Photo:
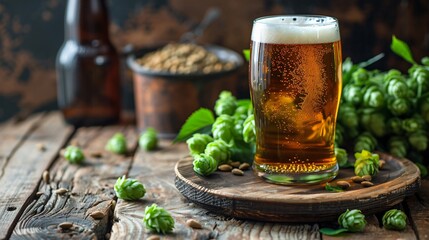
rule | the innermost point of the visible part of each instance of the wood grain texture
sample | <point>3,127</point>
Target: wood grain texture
<point>249,197</point>
<point>22,173</point>
<point>238,229</point>
<point>156,171</point>
<point>418,208</point>
<point>90,188</point>
<point>12,134</point>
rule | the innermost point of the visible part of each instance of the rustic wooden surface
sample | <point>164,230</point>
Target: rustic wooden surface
<point>30,208</point>
<point>250,197</point>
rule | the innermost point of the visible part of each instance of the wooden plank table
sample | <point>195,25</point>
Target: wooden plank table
<point>31,208</point>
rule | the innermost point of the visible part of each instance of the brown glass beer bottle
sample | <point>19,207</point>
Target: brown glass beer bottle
<point>87,66</point>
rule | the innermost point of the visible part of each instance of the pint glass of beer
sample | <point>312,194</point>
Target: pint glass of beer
<point>295,85</point>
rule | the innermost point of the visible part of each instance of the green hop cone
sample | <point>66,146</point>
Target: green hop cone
<point>399,106</point>
<point>395,85</point>
<point>367,155</point>
<point>418,140</point>
<point>157,219</point>
<point>398,146</point>
<point>392,73</point>
<point>365,141</point>
<point>367,163</point>
<point>249,131</point>
<point>223,128</point>
<point>423,169</point>
<point>352,220</point>
<point>149,139</point>
<point>423,107</point>
<point>242,110</point>
<point>198,142</point>
<point>420,75</point>
<point>219,151</point>
<point>412,125</point>
<point>425,61</point>
<point>117,144</point>
<point>339,135</point>
<point>418,82</point>
<point>365,167</point>
<point>226,104</point>
<point>394,125</point>
<point>394,219</point>
<point>373,97</point>
<point>242,152</point>
<point>129,189</point>
<point>360,76</point>
<point>204,164</point>
<point>341,156</point>
<point>239,119</point>
<point>374,122</point>
<point>353,94</point>
<point>348,69</point>
<point>74,155</point>
<point>348,117</point>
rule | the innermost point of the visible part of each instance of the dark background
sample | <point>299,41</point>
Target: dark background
<point>31,33</point>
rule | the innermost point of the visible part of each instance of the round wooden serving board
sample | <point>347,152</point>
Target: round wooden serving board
<point>249,197</point>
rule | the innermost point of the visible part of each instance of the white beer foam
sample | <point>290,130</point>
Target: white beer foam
<point>295,30</point>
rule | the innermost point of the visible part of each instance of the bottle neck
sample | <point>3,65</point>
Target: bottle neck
<point>87,20</point>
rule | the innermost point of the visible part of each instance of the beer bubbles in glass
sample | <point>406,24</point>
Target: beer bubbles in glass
<point>295,85</point>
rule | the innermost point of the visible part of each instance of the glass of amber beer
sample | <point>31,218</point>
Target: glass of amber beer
<point>295,85</point>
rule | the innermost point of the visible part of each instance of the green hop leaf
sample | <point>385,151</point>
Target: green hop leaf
<point>198,142</point>
<point>402,49</point>
<point>157,219</point>
<point>129,189</point>
<point>219,151</point>
<point>332,232</point>
<point>352,220</point>
<point>149,139</point>
<point>198,121</point>
<point>394,219</point>
<point>246,53</point>
<point>117,144</point>
<point>74,155</point>
<point>330,188</point>
<point>204,164</point>
<point>226,104</point>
